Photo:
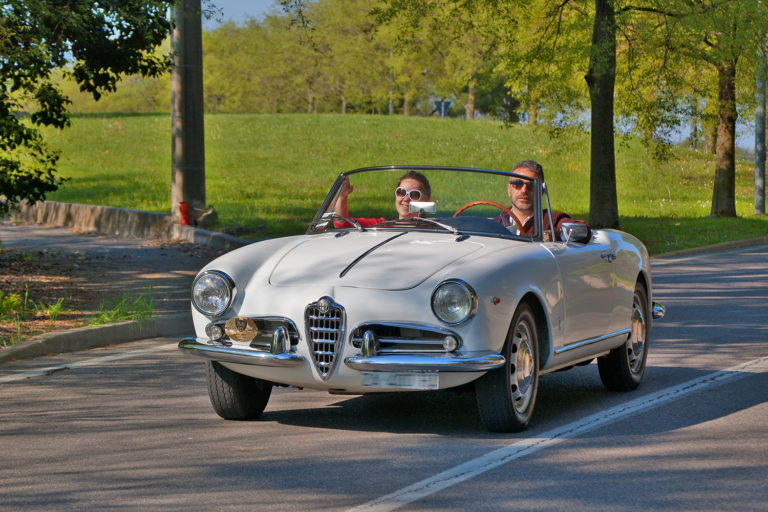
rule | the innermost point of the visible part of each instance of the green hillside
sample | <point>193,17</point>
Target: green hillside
<point>266,174</point>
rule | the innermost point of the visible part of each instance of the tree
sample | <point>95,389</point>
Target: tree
<point>94,44</point>
<point>720,34</point>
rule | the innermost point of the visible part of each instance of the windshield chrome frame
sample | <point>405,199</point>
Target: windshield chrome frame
<point>539,186</point>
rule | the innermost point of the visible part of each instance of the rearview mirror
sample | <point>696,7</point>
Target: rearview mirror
<point>422,207</point>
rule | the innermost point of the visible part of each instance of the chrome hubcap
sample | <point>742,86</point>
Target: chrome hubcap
<point>636,340</point>
<point>521,378</point>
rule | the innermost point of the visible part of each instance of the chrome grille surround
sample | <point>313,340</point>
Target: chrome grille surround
<point>404,338</point>
<point>324,321</point>
<point>266,326</point>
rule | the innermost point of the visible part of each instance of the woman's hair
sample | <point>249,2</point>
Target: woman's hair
<point>418,177</point>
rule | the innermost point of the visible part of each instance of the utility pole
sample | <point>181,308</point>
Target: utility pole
<point>187,141</point>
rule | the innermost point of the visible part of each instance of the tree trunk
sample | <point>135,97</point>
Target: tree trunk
<point>187,125</point>
<point>601,78</point>
<point>310,106</point>
<point>343,104</point>
<point>760,133</point>
<point>724,191</point>
<point>533,110</point>
<point>710,137</point>
<point>469,108</point>
<point>693,138</point>
<point>407,102</point>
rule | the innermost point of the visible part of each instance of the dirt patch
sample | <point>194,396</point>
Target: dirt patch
<point>53,290</point>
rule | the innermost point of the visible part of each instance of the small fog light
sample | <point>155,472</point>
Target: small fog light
<point>450,343</point>
<point>214,332</point>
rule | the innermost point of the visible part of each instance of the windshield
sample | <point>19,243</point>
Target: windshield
<point>456,200</point>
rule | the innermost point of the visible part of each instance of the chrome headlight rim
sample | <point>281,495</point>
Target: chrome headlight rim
<point>471,297</point>
<point>230,292</point>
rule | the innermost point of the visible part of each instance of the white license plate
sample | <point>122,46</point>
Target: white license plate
<point>401,380</point>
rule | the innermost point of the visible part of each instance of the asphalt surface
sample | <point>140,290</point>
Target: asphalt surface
<point>130,427</point>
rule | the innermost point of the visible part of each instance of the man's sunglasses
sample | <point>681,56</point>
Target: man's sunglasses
<point>414,194</point>
<point>518,184</point>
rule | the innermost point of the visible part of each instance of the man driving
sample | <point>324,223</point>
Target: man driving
<point>521,193</point>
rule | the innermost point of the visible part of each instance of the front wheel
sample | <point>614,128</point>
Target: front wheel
<point>235,396</point>
<point>623,368</point>
<point>506,395</point>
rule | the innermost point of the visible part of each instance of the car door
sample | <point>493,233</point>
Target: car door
<point>587,277</point>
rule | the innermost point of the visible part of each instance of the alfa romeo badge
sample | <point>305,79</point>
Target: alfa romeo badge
<point>324,306</point>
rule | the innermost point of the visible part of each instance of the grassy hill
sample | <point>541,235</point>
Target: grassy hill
<point>266,174</point>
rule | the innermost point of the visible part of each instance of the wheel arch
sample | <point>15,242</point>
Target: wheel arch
<point>645,280</point>
<point>542,325</point>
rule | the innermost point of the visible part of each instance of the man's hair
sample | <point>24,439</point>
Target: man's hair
<point>418,177</point>
<point>532,165</point>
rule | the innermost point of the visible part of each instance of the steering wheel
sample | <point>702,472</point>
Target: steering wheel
<point>491,203</point>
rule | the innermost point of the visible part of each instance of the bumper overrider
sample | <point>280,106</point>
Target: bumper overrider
<point>224,352</point>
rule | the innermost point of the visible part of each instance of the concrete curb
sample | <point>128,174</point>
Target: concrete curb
<point>82,338</point>
<point>121,222</point>
<point>723,246</point>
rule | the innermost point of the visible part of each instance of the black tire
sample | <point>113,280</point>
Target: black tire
<point>235,396</point>
<point>623,368</point>
<point>506,396</point>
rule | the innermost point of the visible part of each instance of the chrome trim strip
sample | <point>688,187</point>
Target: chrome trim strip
<point>582,343</point>
<point>658,311</point>
<point>443,363</point>
<point>219,352</point>
<point>366,253</point>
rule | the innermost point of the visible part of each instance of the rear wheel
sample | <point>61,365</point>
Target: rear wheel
<point>506,395</point>
<point>235,396</point>
<point>623,368</point>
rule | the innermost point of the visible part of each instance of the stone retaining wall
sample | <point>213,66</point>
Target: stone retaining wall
<point>122,222</point>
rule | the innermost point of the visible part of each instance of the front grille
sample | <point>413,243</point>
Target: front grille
<point>325,325</point>
<point>400,338</point>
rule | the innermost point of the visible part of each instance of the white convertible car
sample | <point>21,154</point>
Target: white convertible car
<point>441,298</point>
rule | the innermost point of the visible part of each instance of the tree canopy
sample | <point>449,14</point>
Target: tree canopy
<point>92,44</point>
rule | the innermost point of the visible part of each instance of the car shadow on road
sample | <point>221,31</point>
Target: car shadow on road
<point>563,397</point>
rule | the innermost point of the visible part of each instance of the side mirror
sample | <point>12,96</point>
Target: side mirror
<point>422,207</point>
<point>573,232</point>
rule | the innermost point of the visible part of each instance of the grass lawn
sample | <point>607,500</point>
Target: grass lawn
<point>266,174</point>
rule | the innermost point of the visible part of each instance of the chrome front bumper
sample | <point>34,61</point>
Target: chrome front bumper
<point>378,363</point>
<point>222,352</point>
<point>426,362</point>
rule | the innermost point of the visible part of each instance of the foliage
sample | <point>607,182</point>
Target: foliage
<point>125,307</point>
<point>17,308</point>
<point>93,44</point>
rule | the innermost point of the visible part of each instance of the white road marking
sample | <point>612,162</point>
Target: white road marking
<point>525,447</point>
<point>86,362</point>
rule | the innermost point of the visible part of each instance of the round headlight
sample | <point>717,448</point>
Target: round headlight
<point>212,293</point>
<point>454,302</point>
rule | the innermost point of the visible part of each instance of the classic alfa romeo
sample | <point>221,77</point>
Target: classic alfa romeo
<point>441,297</point>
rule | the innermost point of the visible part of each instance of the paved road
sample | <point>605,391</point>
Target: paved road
<point>130,427</point>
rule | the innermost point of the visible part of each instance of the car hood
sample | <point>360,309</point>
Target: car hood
<point>385,260</point>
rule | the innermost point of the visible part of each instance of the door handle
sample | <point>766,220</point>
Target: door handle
<point>609,256</point>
